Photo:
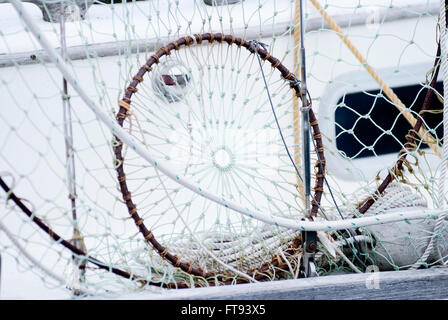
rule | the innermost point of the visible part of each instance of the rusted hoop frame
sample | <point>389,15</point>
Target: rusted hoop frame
<point>57,238</point>
<point>411,137</point>
<point>124,105</point>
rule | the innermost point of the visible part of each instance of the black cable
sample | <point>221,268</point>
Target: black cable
<point>254,44</point>
<point>356,243</point>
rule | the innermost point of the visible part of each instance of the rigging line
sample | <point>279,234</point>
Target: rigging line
<point>128,140</point>
<point>56,237</point>
<point>424,134</point>
<point>304,93</point>
<point>305,120</point>
<point>254,45</point>
<point>28,256</point>
<point>357,246</point>
<point>297,134</point>
<point>78,241</point>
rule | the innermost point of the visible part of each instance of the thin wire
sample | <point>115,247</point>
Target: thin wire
<point>255,45</point>
<point>125,138</point>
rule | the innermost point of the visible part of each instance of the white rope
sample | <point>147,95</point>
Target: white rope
<point>237,250</point>
<point>339,251</point>
<point>397,195</point>
<point>351,240</point>
<point>234,248</point>
<point>209,252</point>
<point>280,251</point>
<point>140,150</point>
<point>444,66</point>
<point>441,196</point>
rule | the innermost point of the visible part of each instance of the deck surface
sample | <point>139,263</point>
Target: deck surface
<point>391,285</point>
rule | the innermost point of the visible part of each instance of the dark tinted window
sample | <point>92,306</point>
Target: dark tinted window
<point>382,115</point>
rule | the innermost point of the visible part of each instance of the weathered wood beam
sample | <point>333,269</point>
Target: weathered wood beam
<point>391,285</point>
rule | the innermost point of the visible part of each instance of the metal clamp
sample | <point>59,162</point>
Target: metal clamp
<point>254,44</point>
<point>308,268</point>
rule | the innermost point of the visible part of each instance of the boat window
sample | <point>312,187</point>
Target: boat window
<point>221,2</point>
<point>368,124</point>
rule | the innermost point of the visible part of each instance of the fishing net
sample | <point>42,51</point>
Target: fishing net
<point>157,144</point>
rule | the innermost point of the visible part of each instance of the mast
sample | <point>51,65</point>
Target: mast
<point>309,238</point>
<point>79,264</point>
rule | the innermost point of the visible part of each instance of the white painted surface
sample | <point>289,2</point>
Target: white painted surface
<point>387,52</point>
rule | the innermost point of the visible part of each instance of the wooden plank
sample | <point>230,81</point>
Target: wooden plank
<point>391,285</point>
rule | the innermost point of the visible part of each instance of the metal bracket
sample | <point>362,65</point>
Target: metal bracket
<point>308,267</point>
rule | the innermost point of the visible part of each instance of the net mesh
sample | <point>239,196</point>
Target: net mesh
<point>183,79</point>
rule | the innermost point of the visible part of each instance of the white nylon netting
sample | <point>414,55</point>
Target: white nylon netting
<point>204,113</point>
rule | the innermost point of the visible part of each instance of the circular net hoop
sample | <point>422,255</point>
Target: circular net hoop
<point>199,105</point>
<point>203,108</point>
